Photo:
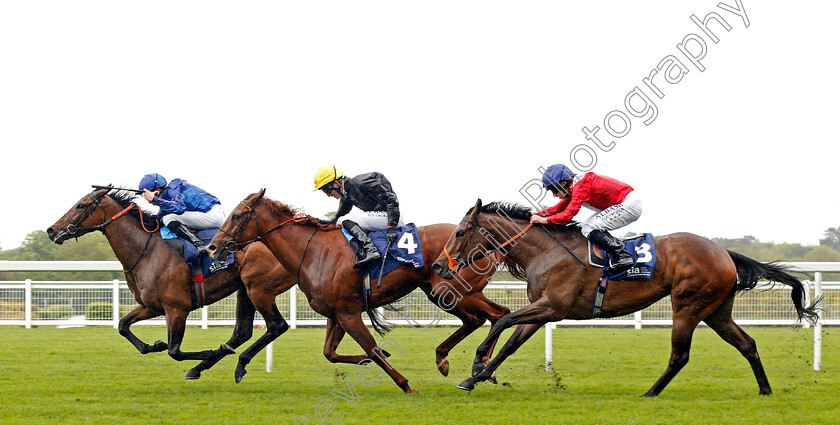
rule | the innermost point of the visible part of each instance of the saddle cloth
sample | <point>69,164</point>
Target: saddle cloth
<point>205,265</point>
<point>641,248</point>
<point>406,250</point>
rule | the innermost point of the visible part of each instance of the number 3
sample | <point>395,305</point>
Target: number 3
<point>643,251</point>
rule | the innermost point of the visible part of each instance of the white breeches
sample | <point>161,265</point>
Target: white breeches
<point>368,220</point>
<point>197,220</point>
<point>616,216</point>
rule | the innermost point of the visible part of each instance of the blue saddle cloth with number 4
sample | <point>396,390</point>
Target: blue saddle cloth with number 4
<point>643,251</point>
<point>406,250</point>
<point>206,264</point>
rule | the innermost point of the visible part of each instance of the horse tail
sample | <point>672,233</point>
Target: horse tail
<point>378,322</point>
<point>750,271</point>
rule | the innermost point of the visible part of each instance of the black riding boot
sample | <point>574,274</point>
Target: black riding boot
<point>184,232</point>
<point>621,259</point>
<point>367,251</point>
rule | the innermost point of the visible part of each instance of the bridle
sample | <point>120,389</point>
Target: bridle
<point>456,264</point>
<point>73,227</point>
<point>234,245</point>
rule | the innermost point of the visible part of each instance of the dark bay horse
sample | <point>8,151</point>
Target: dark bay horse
<point>160,280</point>
<point>701,277</point>
<point>322,259</point>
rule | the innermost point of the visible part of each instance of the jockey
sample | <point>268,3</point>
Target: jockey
<point>616,205</point>
<point>183,207</point>
<point>378,207</point>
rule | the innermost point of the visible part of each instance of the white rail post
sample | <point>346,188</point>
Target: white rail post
<point>116,303</point>
<point>293,307</point>
<point>269,357</point>
<point>27,304</point>
<point>638,318</point>
<point>818,326</point>
<point>205,315</point>
<point>549,349</point>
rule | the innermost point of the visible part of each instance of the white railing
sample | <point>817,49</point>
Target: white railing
<point>43,303</point>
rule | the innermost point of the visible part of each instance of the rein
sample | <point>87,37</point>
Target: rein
<point>453,263</point>
<point>233,245</point>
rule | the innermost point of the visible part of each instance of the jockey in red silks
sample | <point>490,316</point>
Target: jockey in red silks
<point>616,205</point>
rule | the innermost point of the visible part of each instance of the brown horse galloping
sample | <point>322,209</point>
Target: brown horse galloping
<point>323,261</point>
<point>160,280</point>
<point>701,277</point>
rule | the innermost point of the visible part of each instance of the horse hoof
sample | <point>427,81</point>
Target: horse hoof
<point>492,378</point>
<point>467,385</point>
<point>193,374</point>
<point>386,354</point>
<point>160,346</point>
<point>443,367</point>
<point>412,391</point>
<point>240,373</point>
<point>226,349</point>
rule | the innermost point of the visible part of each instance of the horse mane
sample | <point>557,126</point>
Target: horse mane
<point>516,211</point>
<point>124,198</point>
<point>281,209</point>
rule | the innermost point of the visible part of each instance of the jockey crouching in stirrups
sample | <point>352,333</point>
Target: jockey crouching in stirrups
<point>615,202</point>
<point>183,206</point>
<point>372,194</point>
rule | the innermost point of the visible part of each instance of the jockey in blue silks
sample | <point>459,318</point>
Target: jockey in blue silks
<point>183,207</point>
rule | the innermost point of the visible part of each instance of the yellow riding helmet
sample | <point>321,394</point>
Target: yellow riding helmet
<point>327,174</point>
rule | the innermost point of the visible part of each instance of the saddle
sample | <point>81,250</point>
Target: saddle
<point>643,251</point>
<point>406,250</point>
<point>201,266</point>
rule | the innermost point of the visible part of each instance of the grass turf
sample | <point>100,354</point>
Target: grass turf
<point>92,375</point>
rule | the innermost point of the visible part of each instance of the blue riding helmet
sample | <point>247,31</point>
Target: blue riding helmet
<point>556,174</point>
<point>152,182</point>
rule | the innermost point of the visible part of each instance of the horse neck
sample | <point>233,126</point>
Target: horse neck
<point>287,242</point>
<point>526,247</point>
<point>126,237</point>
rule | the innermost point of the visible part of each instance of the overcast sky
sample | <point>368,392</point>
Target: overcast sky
<point>451,100</point>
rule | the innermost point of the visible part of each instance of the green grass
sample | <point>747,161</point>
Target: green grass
<point>92,375</point>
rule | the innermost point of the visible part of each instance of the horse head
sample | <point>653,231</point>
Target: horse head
<point>240,228</point>
<point>463,240</point>
<point>87,215</point>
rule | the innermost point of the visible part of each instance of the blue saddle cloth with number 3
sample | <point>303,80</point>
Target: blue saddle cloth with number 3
<point>406,250</point>
<point>644,254</point>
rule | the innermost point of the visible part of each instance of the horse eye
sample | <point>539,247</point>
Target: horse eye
<point>459,234</point>
<point>234,217</point>
<point>80,206</point>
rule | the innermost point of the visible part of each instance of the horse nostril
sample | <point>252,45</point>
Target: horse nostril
<point>436,268</point>
<point>50,232</point>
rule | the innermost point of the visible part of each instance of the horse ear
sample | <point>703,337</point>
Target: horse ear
<point>260,195</point>
<point>476,209</point>
<point>478,205</point>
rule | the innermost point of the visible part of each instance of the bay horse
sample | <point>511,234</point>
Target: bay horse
<point>701,277</point>
<point>160,280</point>
<point>321,258</point>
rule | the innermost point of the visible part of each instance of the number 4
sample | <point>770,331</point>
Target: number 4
<point>406,242</point>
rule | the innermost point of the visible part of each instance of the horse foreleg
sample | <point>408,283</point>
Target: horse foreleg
<point>519,336</point>
<point>176,319</point>
<point>275,325</point>
<point>721,322</point>
<point>139,313</point>
<point>353,325</point>
<point>242,331</point>
<point>681,334</point>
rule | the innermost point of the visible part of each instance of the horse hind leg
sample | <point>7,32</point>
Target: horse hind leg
<point>721,322</point>
<point>681,334</point>
<point>353,325</point>
<point>138,314</point>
